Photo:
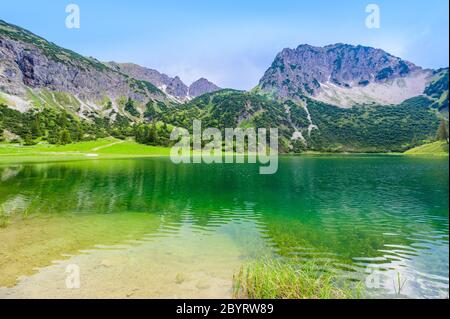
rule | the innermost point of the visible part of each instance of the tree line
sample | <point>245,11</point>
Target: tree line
<point>60,127</point>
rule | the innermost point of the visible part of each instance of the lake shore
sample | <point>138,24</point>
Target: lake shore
<point>111,148</point>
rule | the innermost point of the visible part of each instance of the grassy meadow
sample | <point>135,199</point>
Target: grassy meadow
<point>98,149</point>
<point>439,148</point>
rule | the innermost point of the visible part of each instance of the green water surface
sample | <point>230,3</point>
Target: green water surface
<point>371,219</point>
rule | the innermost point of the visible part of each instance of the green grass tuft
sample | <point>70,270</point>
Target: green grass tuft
<point>4,219</point>
<point>277,279</point>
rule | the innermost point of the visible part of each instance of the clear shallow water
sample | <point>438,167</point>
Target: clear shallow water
<point>148,228</point>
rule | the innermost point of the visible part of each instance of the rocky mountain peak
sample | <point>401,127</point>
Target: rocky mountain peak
<point>171,86</point>
<point>202,86</point>
<point>314,71</point>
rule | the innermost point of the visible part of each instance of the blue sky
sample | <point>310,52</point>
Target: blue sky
<point>233,42</point>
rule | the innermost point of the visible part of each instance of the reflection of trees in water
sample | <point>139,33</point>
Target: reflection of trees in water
<point>338,206</point>
<point>149,186</point>
<point>390,211</point>
<point>9,172</point>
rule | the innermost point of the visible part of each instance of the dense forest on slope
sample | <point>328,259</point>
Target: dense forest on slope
<point>57,126</point>
<point>365,128</point>
<point>373,128</point>
<point>438,91</point>
<point>369,128</point>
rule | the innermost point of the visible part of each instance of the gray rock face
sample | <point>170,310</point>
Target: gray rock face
<point>177,88</point>
<point>202,86</point>
<point>172,86</point>
<point>28,61</point>
<point>31,67</point>
<point>303,71</point>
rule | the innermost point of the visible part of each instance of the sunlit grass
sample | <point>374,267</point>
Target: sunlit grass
<point>44,147</point>
<point>436,148</point>
<point>133,148</point>
<point>277,279</point>
<point>4,219</point>
<point>101,148</point>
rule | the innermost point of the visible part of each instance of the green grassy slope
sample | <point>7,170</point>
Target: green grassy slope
<point>439,148</point>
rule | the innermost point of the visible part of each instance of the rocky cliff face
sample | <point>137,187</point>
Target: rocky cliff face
<point>29,62</point>
<point>343,75</point>
<point>171,86</point>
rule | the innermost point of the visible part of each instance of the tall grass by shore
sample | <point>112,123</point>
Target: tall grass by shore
<point>4,219</point>
<point>277,279</point>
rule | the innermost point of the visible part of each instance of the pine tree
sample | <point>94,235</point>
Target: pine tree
<point>65,137</point>
<point>63,122</point>
<point>442,133</point>
<point>140,134</point>
<point>28,140</point>
<point>36,126</point>
<point>53,136</point>
<point>153,138</point>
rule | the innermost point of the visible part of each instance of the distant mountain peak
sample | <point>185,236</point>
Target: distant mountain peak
<point>202,86</point>
<point>174,87</point>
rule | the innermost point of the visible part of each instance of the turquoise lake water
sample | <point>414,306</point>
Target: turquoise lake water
<point>149,228</point>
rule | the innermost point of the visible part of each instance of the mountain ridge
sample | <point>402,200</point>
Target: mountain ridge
<point>339,74</point>
<point>174,87</point>
<point>60,95</point>
<point>32,69</point>
<point>31,66</point>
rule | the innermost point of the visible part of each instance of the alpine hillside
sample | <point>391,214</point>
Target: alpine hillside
<point>338,98</point>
